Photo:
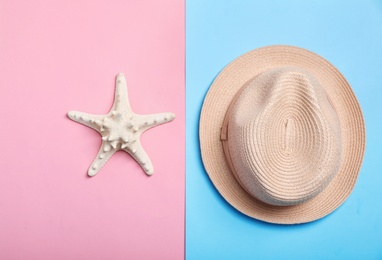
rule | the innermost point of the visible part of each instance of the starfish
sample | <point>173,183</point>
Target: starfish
<point>121,129</point>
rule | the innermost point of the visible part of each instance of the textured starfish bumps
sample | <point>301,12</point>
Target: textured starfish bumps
<point>121,129</point>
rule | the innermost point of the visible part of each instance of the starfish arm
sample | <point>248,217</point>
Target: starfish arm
<point>149,121</point>
<point>86,119</point>
<point>121,99</point>
<point>104,154</point>
<point>141,157</point>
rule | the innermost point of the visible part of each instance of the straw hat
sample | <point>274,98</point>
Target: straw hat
<point>282,135</point>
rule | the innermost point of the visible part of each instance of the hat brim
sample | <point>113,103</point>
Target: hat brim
<point>217,101</point>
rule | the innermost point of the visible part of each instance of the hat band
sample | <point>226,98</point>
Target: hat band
<point>224,136</point>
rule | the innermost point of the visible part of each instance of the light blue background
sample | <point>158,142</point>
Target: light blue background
<point>349,35</point>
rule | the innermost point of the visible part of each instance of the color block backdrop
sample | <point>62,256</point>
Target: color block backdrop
<point>57,56</point>
<point>349,35</point>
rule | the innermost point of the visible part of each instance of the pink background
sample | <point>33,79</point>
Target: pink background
<point>57,56</point>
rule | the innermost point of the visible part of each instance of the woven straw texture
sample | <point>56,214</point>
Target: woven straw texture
<point>304,137</point>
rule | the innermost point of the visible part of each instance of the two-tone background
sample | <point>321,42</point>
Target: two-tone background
<point>57,56</point>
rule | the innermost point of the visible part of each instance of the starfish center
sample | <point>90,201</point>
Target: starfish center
<point>119,129</point>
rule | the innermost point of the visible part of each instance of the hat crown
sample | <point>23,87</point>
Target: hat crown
<point>284,138</point>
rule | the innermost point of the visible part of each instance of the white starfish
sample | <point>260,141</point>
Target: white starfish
<point>121,129</point>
